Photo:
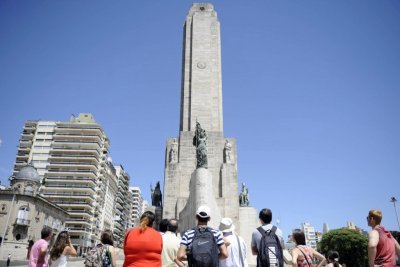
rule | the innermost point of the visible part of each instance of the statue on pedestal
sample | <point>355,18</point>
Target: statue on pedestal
<point>200,141</point>
<point>156,196</point>
<point>244,196</point>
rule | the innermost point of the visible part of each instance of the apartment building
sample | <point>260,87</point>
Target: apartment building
<point>138,204</point>
<point>310,234</point>
<point>123,219</point>
<point>75,171</point>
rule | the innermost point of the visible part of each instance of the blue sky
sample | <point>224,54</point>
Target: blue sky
<point>310,92</point>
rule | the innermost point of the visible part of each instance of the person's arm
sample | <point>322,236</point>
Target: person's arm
<point>295,255</point>
<point>320,257</point>
<point>397,247</point>
<point>254,249</point>
<point>113,256</point>
<point>223,252</point>
<point>69,250</point>
<point>373,239</point>
<point>42,254</point>
<point>181,256</point>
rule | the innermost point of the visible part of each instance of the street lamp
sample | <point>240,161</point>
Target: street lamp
<point>394,200</point>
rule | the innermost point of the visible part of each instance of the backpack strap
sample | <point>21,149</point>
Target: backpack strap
<point>264,233</point>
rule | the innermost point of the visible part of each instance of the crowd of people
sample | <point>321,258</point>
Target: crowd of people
<point>144,246</point>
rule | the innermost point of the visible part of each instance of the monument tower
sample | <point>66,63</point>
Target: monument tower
<point>186,185</point>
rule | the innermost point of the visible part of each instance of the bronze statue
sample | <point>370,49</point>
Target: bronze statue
<point>244,196</point>
<point>200,141</point>
<point>156,196</point>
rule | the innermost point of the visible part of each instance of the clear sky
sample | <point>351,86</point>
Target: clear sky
<point>311,92</point>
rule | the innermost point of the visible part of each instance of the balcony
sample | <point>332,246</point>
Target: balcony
<point>22,222</point>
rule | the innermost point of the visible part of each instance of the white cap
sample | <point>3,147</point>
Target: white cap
<point>203,211</point>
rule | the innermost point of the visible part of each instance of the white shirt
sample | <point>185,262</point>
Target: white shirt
<point>171,245</point>
<point>233,259</point>
<point>60,262</point>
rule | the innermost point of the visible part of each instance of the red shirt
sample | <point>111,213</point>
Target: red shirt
<point>385,251</point>
<point>142,249</point>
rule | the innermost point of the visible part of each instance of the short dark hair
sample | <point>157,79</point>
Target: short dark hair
<point>46,232</point>
<point>172,225</point>
<point>162,226</point>
<point>202,220</point>
<point>107,238</point>
<point>265,215</point>
<point>299,237</point>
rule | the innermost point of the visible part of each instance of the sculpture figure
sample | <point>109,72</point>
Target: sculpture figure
<point>156,196</point>
<point>173,152</point>
<point>228,152</point>
<point>200,141</point>
<point>244,196</point>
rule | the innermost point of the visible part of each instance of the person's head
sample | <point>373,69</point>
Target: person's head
<point>58,247</point>
<point>265,216</point>
<point>298,237</point>
<point>162,226</point>
<point>203,214</point>
<point>172,225</point>
<point>147,220</point>
<point>107,238</point>
<point>374,217</point>
<point>226,225</point>
<point>46,233</point>
<point>332,256</point>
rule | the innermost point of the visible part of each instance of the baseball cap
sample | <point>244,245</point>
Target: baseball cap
<point>203,211</point>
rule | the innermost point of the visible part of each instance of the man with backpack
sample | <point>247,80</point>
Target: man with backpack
<point>267,242</point>
<point>202,245</point>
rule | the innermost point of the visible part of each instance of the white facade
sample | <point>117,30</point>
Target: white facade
<point>310,234</point>
<point>123,210</point>
<point>137,204</point>
<point>72,161</point>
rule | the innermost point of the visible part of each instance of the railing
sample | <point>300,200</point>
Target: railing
<point>21,221</point>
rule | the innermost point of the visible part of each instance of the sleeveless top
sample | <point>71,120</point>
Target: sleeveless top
<point>301,261</point>
<point>385,250</point>
<point>60,262</point>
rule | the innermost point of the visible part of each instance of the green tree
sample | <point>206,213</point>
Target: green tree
<point>351,245</point>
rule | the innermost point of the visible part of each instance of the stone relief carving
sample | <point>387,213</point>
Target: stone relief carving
<point>173,152</point>
<point>228,152</point>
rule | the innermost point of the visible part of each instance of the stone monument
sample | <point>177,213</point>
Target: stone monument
<point>200,165</point>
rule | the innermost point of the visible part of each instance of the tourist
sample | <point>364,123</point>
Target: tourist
<point>236,248</point>
<point>303,255</point>
<point>107,239</point>
<point>162,226</point>
<point>61,249</point>
<point>39,253</point>
<point>171,244</point>
<point>333,259</point>
<point>265,217</point>
<point>382,247</point>
<point>143,244</point>
<point>203,217</point>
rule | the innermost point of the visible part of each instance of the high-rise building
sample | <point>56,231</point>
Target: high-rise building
<point>310,234</point>
<point>72,161</point>
<point>137,204</point>
<point>123,211</point>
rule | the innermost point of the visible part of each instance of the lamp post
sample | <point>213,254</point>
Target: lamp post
<point>394,200</point>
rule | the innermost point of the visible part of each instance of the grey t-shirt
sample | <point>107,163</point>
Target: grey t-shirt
<point>256,236</point>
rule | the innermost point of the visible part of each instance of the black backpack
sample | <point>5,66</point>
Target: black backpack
<point>203,251</point>
<point>270,250</point>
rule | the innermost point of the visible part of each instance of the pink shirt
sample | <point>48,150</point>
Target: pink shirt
<point>385,251</point>
<point>35,253</point>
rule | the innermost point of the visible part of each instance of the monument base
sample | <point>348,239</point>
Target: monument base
<point>248,222</point>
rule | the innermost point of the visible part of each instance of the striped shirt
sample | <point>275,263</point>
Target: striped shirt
<point>187,237</point>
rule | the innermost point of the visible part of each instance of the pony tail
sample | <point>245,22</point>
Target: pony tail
<point>143,223</point>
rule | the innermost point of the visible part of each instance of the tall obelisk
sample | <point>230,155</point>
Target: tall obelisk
<point>185,185</point>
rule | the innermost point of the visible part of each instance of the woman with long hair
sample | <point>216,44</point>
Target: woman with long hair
<point>61,249</point>
<point>303,255</point>
<point>107,240</point>
<point>143,244</point>
<point>333,259</point>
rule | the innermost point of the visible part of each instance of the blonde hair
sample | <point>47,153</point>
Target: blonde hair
<point>143,224</point>
<point>376,214</point>
<point>146,220</point>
